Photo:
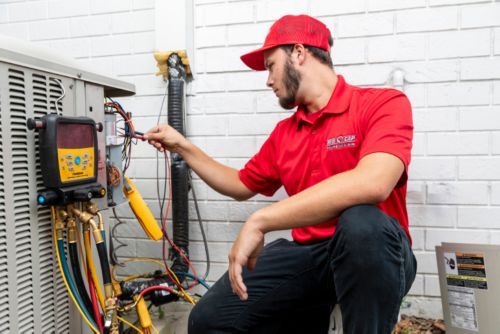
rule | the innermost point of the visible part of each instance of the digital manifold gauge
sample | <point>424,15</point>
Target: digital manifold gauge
<point>68,158</point>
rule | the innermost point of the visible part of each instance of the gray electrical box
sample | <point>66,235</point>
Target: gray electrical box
<point>469,278</point>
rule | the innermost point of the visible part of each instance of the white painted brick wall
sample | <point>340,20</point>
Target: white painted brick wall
<point>449,51</point>
<point>396,48</point>
<point>457,193</point>
<point>481,15</point>
<point>460,43</point>
<point>364,25</point>
<point>426,168</point>
<point>28,11</point>
<point>445,18</point>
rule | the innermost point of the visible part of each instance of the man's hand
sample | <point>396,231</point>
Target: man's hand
<point>244,252</point>
<point>164,137</point>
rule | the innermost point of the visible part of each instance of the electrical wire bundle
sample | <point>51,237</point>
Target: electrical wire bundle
<point>128,131</point>
<point>163,285</point>
<point>162,198</point>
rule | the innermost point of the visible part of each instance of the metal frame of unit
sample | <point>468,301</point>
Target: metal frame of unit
<point>33,298</point>
<point>469,280</point>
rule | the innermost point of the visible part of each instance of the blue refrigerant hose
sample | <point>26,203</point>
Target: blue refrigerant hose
<point>71,284</point>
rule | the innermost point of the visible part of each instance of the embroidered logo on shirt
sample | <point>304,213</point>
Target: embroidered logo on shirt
<point>341,142</point>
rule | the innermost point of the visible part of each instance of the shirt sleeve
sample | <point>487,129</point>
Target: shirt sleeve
<point>261,173</point>
<point>388,128</point>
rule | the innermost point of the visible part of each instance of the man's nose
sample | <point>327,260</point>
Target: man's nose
<point>269,81</point>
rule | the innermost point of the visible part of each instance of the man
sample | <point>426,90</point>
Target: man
<point>343,158</point>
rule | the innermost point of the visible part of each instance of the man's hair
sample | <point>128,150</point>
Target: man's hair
<point>322,55</point>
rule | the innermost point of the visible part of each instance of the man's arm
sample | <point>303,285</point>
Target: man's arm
<point>370,182</point>
<point>221,178</point>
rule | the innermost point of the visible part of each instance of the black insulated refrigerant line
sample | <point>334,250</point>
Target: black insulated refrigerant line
<point>179,168</point>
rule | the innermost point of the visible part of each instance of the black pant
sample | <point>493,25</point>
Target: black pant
<point>367,268</point>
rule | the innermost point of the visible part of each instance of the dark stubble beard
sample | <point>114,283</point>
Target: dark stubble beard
<point>291,82</point>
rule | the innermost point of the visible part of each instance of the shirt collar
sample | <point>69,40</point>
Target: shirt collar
<point>338,103</point>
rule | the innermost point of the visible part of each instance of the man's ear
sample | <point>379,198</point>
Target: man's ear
<point>300,53</point>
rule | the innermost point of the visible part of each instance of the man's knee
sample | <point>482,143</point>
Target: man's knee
<point>361,223</point>
<point>197,318</point>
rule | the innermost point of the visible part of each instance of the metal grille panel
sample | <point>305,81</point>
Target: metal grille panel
<point>33,298</point>
<point>49,280</point>
<point>4,271</point>
<point>20,180</point>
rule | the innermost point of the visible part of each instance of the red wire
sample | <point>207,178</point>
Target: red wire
<point>164,225</point>
<point>156,287</point>
<point>164,248</point>
<point>95,305</point>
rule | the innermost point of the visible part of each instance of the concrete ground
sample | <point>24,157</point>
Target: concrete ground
<point>176,317</point>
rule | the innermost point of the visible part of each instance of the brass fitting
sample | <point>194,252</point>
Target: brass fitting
<point>92,208</point>
<point>114,326</point>
<point>117,289</point>
<point>85,227</point>
<point>85,217</point>
<point>69,209</point>
<point>127,307</point>
<point>61,213</point>
<point>101,221</point>
<point>111,315</point>
<point>109,304</point>
<point>71,230</point>
<point>60,216</point>
<point>96,232</point>
<point>108,290</point>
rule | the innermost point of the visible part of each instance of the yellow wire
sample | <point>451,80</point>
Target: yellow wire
<point>154,328</point>
<point>131,277</point>
<point>97,286</point>
<point>161,263</point>
<point>80,249</point>
<point>130,325</point>
<point>158,262</point>
<point>64,277</point>
<point>93,273</point>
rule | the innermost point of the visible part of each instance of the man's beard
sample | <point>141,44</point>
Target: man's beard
<point>291,82</point>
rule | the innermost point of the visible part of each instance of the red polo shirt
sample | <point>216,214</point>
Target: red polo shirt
<point>305,149</point>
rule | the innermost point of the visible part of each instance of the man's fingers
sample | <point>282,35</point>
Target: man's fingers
<point>156,129</point>
<point>242,289</point>
<point>152,135</point>
<point>236,279</point>
<point>232,279</point>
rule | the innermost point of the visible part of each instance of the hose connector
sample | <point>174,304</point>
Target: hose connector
<point>60,217</point>
<point>101,221</point>
<point>86,217</point>
<point>92,208</point>
<point>110,319</point>
<point>117,289</point>
<point>71,223</point>
<point>83,216</point>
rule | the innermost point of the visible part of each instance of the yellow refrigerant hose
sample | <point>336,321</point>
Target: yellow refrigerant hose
<point>90,261</point>
<point>64,278</point>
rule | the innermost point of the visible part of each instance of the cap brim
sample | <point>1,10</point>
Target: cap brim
<point>255,59</point>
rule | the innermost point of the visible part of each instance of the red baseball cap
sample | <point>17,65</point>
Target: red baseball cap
<point>290,29</point>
